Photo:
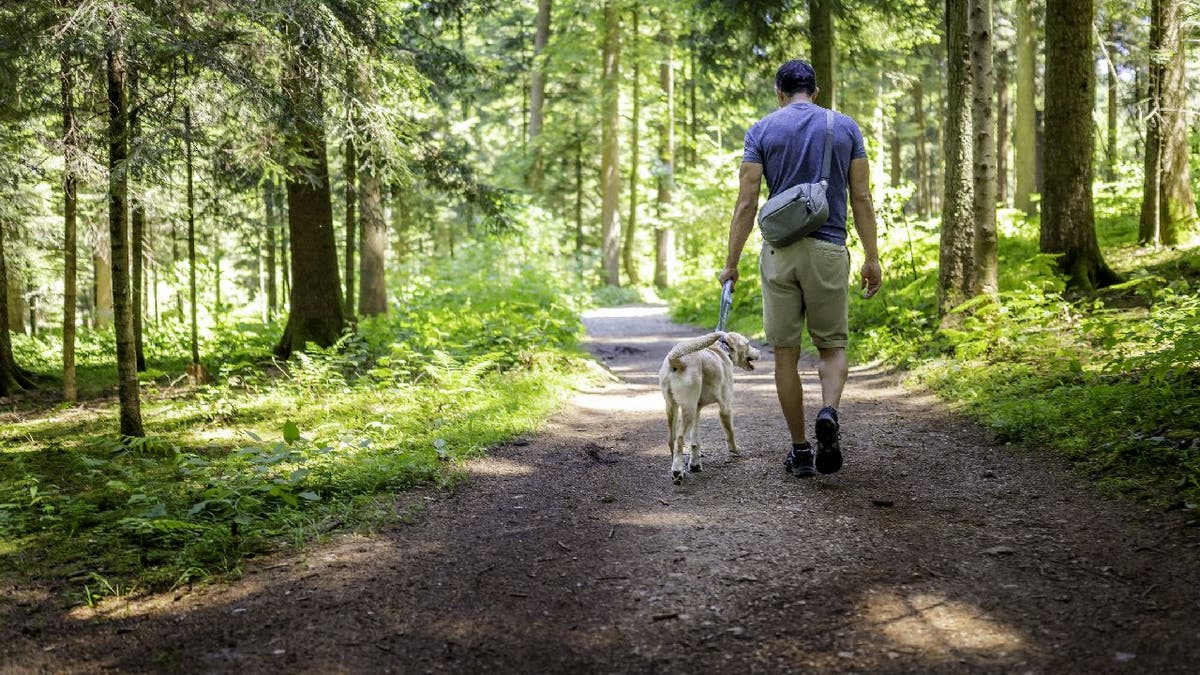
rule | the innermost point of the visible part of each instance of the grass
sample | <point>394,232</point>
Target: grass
<point>1111,380</point>
<point>272,455</point>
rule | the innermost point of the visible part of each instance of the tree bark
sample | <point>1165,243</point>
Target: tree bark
<point>372,298</point>
<point>664,236</point>
<point>983,125</point>
<point>1025,164</point>
<point>1068,225</point>
<point>820,28</point>
<point>272,225</point>
<point>118,223</point>
<point>610,160</point>
<point>628,247</point>
<point>316,312</point>
<point>351,221</point>
<point>1002,112</point>
<point>70,229</point>
<point>137,219</point>
<point>537,92</point>
<point>189,165</point>
<point>1110,144</point>
<point>956,246</point>
<point>1168,206</point>
<point>102,291</point>
<point>12,378</point>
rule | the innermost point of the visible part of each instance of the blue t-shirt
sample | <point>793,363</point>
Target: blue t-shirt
<point>790,142</point>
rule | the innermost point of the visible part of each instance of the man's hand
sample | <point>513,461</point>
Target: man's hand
<point>729,273</point>
<point>872,278</point>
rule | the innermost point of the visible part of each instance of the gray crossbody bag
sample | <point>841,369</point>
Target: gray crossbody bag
<point>801,209</point>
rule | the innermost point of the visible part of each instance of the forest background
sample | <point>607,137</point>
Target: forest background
<point>263,264</point>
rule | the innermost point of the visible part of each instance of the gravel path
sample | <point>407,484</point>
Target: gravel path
<point>932,551</point>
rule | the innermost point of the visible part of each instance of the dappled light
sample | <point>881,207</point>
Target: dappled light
<point>935,625</point>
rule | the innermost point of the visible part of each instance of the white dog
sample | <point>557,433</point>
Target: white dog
<point>696,373</point>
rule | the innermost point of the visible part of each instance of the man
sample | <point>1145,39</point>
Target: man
<point>807,281</point>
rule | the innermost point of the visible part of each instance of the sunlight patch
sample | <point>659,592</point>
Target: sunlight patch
<point>497,466</point>
<point>623,312</point>
<point>650,401</point>
<point>655,519</point>
<point>935,624</point>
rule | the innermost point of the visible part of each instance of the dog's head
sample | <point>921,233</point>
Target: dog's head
<point>741,352</point>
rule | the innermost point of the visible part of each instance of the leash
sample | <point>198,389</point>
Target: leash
<point>723,317</point>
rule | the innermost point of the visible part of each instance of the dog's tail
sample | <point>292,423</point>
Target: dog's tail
<point>675,357</point>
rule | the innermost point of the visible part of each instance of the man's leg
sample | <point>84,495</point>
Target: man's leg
<point>832,370</point>
<point>791,395</point>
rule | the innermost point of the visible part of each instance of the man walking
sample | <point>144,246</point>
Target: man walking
<point>808,281</point>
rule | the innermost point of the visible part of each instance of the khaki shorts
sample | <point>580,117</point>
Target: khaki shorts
<point>807,281</point>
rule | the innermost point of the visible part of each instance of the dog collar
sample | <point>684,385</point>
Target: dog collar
<point>725,345</point>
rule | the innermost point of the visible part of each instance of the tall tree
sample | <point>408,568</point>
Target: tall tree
<point>956,249</point>
<point>1003,108</point>
<point>12,378</point>
<point>924,189</point>
<point>1025,164</point>
<point>1168,206</point>
<point>272,212</point>
<point>70,207</point>
<point>118,223</point>
<point>137,219</point>
<point>316,313</point>
<point>351,158</point>
<point>664,236</point>
<point>983,125</point>
<point>628,244</point>
<point>537,91</point>
<point>1110,138</point>
<point>610,160</point>
<point>189,167</point>
<point>1068,224</point>
<point>820,28</point>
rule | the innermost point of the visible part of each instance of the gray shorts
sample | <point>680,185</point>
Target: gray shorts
<point>807,282</point>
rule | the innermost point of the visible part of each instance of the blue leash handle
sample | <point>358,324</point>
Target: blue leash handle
<point>726,303</point>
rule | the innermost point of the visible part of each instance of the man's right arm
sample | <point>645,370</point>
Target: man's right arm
<point>864,224</point>
<point>742,224</point>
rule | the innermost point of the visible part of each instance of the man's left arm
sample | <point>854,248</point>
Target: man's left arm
<point>749,184</point>
<point>864,224</point>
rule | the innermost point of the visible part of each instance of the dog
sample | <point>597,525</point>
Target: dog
<point>694,374</point>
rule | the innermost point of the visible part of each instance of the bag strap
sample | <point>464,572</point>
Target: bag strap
<point>828,159</point>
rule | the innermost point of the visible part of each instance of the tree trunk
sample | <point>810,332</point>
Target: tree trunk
<point>372,298</point>
<point>1110,145</point>
<point>351,221</point>
<point>628,244</point>
<point>272,225</point>
<point>956,248</point>
<point>924,190</point>
<point>610,160</point>
<point>820,27</point>
<point>137,219</point>
<point>1025,164</point>
<point>316,300</point>
<point>537,92</point>
<point>983,125</point>
<point>664,236</point>
<point>102,291</point>
<point>1002,112</point>
<point>118,225</point>
<point>1068,225</point>
<point>190,173</point>
<point>12,378</point>
<point>1168,206</point>
<point>70,230</point>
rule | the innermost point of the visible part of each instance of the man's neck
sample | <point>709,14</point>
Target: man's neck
<point>799,98</point>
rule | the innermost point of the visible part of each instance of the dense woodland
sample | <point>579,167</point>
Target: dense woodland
<point>215,213</point>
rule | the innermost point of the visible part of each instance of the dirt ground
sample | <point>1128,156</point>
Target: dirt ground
<point>933,550</point>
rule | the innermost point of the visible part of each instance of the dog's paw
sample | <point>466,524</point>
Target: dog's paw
<point>696,468</point>
<point>677,477</point>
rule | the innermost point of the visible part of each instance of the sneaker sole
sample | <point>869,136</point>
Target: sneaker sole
<point>798,472</point>
<point>829,448</point>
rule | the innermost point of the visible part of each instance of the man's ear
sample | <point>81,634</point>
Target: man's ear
<point>780,97</point>
<point>816,93</point>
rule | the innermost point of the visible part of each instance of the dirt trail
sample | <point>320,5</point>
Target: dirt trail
<point>932,551</point>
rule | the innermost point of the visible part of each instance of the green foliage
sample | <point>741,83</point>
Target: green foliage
<point>274,453</point>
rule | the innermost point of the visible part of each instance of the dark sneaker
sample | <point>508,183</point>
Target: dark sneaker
<point>829,446</point>
<point>799,462</point>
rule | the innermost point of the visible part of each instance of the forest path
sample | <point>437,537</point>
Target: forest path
<point>931,551</point>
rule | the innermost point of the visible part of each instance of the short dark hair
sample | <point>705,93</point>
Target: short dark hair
<point>796,76</point>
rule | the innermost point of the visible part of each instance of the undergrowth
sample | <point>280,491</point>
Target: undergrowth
<point>275,453</point>
<point>1110,379</point>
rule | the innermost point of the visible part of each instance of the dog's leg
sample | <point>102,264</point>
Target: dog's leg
<point>692,431</point>
<point>674,441</point>
<point>727,423</point>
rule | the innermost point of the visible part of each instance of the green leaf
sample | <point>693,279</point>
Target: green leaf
<point>310,496</point>
<point>291,432</point>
